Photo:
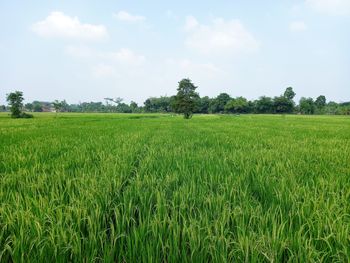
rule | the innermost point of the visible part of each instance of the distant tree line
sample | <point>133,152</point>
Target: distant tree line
<point>223,103</point>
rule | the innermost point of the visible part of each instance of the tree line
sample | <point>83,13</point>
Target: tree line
<point>187,101</point>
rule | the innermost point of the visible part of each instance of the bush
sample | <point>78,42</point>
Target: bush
<point>26,115</point>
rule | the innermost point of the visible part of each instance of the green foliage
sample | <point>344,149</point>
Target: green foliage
<point>28,106</point>
<point>223,103</point>
<point>203,104</point>
<point>289,93</point>
<point>26,115</point>
<point>320,101</point>
<point>282,104</point>
<point>161,104</point>
<point>218,104</point>
<point>134,107</point>
<point>307,106</point>
<point>37,106</point>
<point>186,98</point>
<point>123,108</point>
<point>237,105</point>
<point>264,105</point>
<point>57,105</point>
<point>15,101</point>
<point>155,188</point>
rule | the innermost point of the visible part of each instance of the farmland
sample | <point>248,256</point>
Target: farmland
<point>158,188</point>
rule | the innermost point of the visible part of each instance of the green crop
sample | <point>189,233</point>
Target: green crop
<point>158,188</point>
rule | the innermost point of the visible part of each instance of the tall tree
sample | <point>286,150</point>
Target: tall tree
<point>289,93</point>
<point>320,101</point>
<point>306,106</point>
<point>186,97</point>
<point>15,100</point>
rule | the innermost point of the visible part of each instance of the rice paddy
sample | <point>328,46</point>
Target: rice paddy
<point>158,188</point>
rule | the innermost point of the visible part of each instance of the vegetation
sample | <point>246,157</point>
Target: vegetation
<point>185,99</point>
<point>57,105</point>
<point>223,103</point>
<point>15,101</point>
<point>155,188</point>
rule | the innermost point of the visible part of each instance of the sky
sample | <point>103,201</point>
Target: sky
<point>85,50</point>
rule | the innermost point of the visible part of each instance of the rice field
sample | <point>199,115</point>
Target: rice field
<point>158,188</point>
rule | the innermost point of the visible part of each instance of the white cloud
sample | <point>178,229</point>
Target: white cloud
<point>60,25</point>
<point>171,15</point>
<point>297,26</point>
<point>191,23</point>
<point>221,37</point>
<point>330,7</point>
<point>207,69</point>
<point>126,56</point>
<point>127,17</point>
<point>103,71</point>
<point>123,56</point>
<point>186,67</point>
<point>79,51</point>
<point>107,64</point>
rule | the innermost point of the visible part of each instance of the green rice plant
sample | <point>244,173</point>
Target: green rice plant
<point>157,188</point>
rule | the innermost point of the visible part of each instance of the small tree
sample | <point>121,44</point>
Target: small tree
<point>29,107</point>
<point>57,105</point>
<point>185,99</point>
<point>37,106</point>
<point>15,101</point>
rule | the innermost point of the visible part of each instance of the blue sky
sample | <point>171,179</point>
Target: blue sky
<point>88,50</point>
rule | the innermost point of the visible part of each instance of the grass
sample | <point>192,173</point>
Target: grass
<point>158,188</point>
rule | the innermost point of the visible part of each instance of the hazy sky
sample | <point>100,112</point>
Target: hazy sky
<point>84,50</point>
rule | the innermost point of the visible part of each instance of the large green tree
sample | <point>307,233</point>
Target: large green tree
<point>218,104</point>
<point>289,93</point>
<point>161,104</point>
<point>282,104</point>
<point>186,98</point>
<point>320,104</point>
<point>264,105</point>
<point>203,104</point>
<point>307,106</point>
<point>237,105</point>
<point>15,101</point>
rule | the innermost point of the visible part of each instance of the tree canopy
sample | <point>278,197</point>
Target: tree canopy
<point>15,101</point>
<point>186,98</point>
<point>187,101</point>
